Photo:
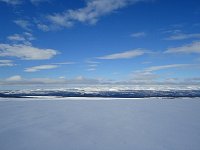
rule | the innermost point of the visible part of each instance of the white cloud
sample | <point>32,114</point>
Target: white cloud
<point>5,61</point>
<point>18,80</point>
<point>8,63</point>
<point>156,68</point>
<point>91,13</point>
<point>26,52</point>
<point>142,76</point>
<point>189,48</point>
<point>124,55</point>
<point>91,69</point>
<point>182,36</point>
<point>41,67</point>
<point>11,2</point>
<point>47,67</point>
<point>64,63</point>
<point>17,2</point>
<point>23,24</point>
<point>83,80</point>
<point>137,83</point>
<point>16,37</point>
<point>24,38</point>
<point>36,2</point>
<point>14,78</point>
<point>28,36</point>
<point>92,62</point>
<point>92,65</point>
<point>171,31</point>
<point>62,77</point>
<point>194,79</point>
<point>138,34</point>
<point>43,27</point>
<point>60,20</point>
<point>148,75</point>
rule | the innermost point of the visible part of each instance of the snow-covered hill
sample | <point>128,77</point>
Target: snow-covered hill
<point>102,92</point>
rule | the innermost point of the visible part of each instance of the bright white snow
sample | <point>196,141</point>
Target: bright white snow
<point>114,124</point>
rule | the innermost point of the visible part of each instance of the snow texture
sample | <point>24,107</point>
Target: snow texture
<point>99,124</point>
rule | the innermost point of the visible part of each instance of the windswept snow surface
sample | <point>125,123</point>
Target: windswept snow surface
<point>99,124</point>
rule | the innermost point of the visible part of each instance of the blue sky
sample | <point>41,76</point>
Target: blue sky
<point>136,42</point>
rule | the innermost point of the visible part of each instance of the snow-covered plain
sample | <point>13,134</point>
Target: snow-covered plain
<point>99,124</point>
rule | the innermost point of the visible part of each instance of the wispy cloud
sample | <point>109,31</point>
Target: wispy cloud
<point>92,65</point>
<point>91,13</point>
<point>46,67</point>
<point>16,37</point>
<point>18,80</point>
<point>182,36</point>
<point>188,48</point>
<point>36,2</point>
<point>25,24</point>
<point>170,31</point>
<point>14,78</point>
<point>124,55</point>
<point>41,67</point>
<point>19,2</point>
<point>65,63</point>
<point>6,63</point>
<point>141,76</point>
<point>92,62</point>
<point>26,52</point>
<point>141,83</point>
<point>91,69</point>
<point>138,34</point>
<point>148,74</point>
<point>11,2</point>
<point>162,67</point>
<point>24,38</point>
<point>43,27</point>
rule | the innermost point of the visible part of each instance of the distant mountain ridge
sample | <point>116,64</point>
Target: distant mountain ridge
<point>100,93</point>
